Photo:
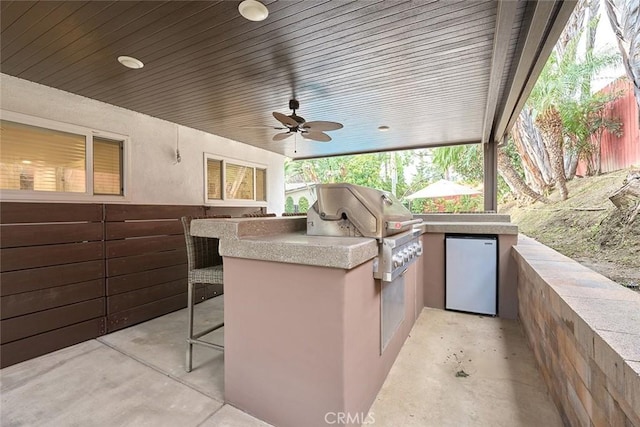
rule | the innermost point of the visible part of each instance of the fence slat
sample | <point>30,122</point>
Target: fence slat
<point>135,264</point>
<point>48,320</point>
<point>43,256</point>
<point>44,299</point>
<point>49,234</point>
<point>144,312</point>
<point>37,345</point>
<point>121,248</point>
<point>17,212</point>
<point>123,230</point>
<point>14,282</point>
<point>137,212</point>
<point>129,300</point>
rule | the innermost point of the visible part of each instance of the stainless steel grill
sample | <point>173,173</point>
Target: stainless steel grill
<point>348,210</point>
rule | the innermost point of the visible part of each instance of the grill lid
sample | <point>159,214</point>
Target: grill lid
<point>374,213</point>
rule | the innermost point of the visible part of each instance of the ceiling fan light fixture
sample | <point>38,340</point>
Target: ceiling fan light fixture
<point>253,10</point>
<point>130,62</point>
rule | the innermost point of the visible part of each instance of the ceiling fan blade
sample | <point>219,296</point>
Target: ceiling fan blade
<point>320,126</point>
<point>285,120</point>
<point>316,136</point>
<point>263,127</point>
<point>281,136</point>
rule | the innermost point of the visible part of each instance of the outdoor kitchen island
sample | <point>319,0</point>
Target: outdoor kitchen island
<point>303,320</point>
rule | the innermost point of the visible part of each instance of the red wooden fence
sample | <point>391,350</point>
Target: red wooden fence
<point>624,151</point>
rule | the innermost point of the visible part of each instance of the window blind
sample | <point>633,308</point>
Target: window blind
<point>261,185</point>
<point>239,182</point>
<point>34,158</point>
<point>107,166</point>
<point>214,179</point>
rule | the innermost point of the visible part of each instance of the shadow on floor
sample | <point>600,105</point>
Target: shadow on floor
<point>455,369</point>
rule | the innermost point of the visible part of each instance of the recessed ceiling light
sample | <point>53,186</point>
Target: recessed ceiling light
<point>383,128</point>
<point>26,162</point>
<point>253,10</point>
<point>130,62</point>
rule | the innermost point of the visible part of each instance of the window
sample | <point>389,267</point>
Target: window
<point>107,166</point>
<point>214,181</point>
<point>60,159</point>
<point>241,181</point>
<point>261,185</point>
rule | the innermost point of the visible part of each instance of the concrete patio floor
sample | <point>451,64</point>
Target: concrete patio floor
<point>136,377</point>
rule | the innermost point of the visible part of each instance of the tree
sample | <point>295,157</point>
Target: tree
<point>303,204</point>
<point>288,205</point>
<point>381,170</point>
<point>564,81</point>
<point>513,178</point>
<point>463,160</point>
<point>584,123</point>
<point>624,17</point>
<point>532,154</point>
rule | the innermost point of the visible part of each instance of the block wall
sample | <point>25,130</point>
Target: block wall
<point>585,333</point>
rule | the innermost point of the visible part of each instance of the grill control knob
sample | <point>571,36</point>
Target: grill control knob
<point>419,249</point>
<point>397,261</point>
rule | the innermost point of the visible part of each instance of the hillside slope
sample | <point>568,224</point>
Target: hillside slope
<point>586,227</point>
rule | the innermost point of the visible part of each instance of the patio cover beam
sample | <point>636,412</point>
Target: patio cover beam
<point>538,45</point>
<point>501,42</point>
<point>490,176</point>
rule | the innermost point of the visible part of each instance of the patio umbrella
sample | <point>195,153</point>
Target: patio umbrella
<point>442,188</point>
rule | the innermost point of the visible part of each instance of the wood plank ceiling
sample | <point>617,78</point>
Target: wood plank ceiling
<point>423,68</point>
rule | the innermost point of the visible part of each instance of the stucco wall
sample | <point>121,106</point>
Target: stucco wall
<point>153,178</point>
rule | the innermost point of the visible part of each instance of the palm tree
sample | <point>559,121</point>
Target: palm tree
<point>563,81</point>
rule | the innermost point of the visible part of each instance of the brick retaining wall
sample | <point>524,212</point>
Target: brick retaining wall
<point>584,330</point>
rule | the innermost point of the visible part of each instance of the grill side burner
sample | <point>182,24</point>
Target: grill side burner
<point>348,210</point>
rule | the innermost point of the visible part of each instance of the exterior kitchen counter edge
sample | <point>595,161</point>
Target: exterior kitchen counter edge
<point>468,227</point>
<point>284,240</point>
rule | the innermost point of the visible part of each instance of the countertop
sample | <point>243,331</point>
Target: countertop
<point>464,227</point>
<point>284,239</point>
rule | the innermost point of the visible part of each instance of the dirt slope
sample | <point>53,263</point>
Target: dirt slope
<point>587,227</point>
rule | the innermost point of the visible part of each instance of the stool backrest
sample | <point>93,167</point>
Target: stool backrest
<point>201,251</point>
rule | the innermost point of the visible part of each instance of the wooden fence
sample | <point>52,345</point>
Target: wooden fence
<point>620,152</point>
<point>73,272</point>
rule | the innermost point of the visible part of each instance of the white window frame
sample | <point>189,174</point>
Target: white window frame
<point>88,133</point>
<point>233,202</point>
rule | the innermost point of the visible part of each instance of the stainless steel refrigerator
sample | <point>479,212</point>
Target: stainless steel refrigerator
<point>471,274</point>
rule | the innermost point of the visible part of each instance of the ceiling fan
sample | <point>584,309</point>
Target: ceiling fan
<point>296,124</point>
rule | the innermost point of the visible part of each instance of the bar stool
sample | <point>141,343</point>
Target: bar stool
<point>205,266</point>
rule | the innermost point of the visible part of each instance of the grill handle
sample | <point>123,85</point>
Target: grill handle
<point>398,225</point>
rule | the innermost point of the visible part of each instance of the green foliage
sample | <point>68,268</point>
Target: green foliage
<point>451,205</point>
<point>380,170</point>
<point>288,205</point>
<point>463,160</point>
<point>584,119</point>
<point>303,204</point>
<point>417,206</point>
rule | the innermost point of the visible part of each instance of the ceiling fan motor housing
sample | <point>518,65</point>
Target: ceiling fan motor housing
<point>293,104</point>
<point>297,118</point>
